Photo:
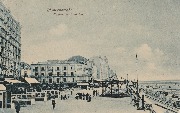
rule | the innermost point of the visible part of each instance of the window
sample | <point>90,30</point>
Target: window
<point>42,69</point>
<point>57,80</point>
<point>36,74</point>
<point>72,74</point>
<point>50,74</point>
<point>57,68</point>
<point>50,80</point>
<point>58,73</point>
<point>64,73</point>
<point>64,79</point>
<point>42,74</point>
<point>36,68</point>
<point>71,67</point>
<point>64,68</point>
<point>44,81</point>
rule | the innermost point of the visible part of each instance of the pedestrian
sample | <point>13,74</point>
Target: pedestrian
<point>89,99</point>
<point>87,95</point>
<point>17,107</point>
<point>80,96</point>
<point>93,93</point>
<point>61,97</point>
<point>83,96</point>
<point>76,96</point>
<point>71,92</point>
<point>53,103</point>
<point>65,97</point>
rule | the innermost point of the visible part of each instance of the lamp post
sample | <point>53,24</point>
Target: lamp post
<point>102,87</point>
<point>111,86</point>
<point>118,87</point>
<point>137,88</point>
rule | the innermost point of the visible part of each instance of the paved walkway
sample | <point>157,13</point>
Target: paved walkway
<point>71,105</point>
<point>97,105</point>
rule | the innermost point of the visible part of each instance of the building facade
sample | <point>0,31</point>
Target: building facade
<point>25,69</point>
<point>56,71</point>
<point>102,67</point>
<point>10,44</point>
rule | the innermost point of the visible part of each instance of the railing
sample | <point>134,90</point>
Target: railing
<point>163,104</point>
<point>24,99</point>
<point>39,96</point>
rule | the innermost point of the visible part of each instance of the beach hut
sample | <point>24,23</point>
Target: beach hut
<point>2,96</point>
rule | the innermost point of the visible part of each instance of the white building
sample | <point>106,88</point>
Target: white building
<point>56,71</point>
<point>102,67</point>
<point>10,44</point>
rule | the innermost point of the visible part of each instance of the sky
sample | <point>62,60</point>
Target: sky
<point>117,29</point>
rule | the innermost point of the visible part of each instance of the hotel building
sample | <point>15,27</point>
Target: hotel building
<point>56,71</point>
<point>10,44</point>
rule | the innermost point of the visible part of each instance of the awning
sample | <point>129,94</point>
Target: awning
<point>82,84</point>
<point>12,80</point>
<point>99,80</point>
<point>31,80</point>
<point>2,87</point>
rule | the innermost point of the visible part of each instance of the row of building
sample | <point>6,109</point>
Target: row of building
<point>69,71</point>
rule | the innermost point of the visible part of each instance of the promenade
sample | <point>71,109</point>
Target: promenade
<point>71,105</point>
<point>98,105</point>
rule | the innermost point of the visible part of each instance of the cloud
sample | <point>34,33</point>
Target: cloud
<point>144,51</point>
<point>57,49</point>
<point>148,67</point>
<point>151,66</point>
<point>119,50</point>
<point>150,63</point>
<point>58,30</point>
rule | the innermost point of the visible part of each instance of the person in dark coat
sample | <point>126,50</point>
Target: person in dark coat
<point>17,107</point>
<point>65,97</point>
<point>53,103</point>
<point>89,99</point>
<point>71,92</point>
<point>83,95</point>
<point>61,97</point>
<point>87,95</point>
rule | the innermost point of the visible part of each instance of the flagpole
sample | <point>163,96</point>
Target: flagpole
<point>137,93</point>
<point>137,72</point>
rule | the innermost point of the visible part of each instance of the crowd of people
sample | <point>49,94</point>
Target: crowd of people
<point>82,96</point>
